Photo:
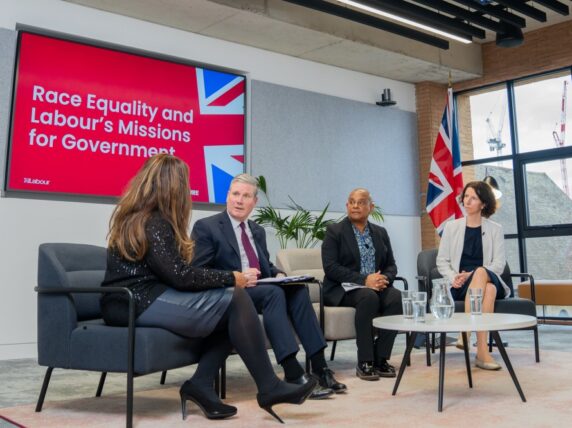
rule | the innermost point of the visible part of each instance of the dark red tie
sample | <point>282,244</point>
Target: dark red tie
<point>250,253</point>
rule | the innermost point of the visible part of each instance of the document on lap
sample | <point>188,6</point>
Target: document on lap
<point>349,286</point>
<point>286,279</point>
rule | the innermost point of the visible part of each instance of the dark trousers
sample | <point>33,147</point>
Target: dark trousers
<point>370,304</point>
<point>282,308</point>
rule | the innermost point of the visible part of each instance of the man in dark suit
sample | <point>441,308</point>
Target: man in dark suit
<point>230,241</point>
<point>358,252</point>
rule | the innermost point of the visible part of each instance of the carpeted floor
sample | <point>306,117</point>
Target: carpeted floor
<point>493,401</point>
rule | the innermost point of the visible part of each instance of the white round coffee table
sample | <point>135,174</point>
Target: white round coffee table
<point>458,322</point>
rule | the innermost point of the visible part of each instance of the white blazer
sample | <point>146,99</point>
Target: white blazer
<point>451,249</point>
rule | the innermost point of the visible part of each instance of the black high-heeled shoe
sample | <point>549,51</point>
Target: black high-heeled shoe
<point>213,409</point>
<point>285,393</point>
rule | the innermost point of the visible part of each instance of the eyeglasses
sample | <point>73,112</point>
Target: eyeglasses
<point>360,203</point>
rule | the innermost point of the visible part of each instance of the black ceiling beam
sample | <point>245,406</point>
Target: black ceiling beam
<point>496,12</point>
<point>363,18</point>
<point>427,17</point>
<point>525,9</point>
<point>555,6</point>
<point>475,17</point>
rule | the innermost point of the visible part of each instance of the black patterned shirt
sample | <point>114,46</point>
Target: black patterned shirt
<point>366,250</point>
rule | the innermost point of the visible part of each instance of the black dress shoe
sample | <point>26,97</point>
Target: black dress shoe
<point>365,371</point>
<point>384,369</point>
<point>213,408</point>
<point>327,380</point>
<point>318,393</point>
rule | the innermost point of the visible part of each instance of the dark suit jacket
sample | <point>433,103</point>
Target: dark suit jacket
<point>216,245</point>
<point>341,260</point>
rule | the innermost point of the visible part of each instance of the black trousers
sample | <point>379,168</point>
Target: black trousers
<point>370,304</point>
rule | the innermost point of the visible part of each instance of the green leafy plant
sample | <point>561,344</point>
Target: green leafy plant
<point>302,227</point>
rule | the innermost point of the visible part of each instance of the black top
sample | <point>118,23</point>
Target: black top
<point>162,267</point>
<point>472,256</point>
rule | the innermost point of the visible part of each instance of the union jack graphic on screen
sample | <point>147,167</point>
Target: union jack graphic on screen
<point>445,174</point>
<point>221,96</point>
<point>220,93</point>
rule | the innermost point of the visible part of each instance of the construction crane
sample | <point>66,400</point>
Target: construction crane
<point>559,139</point>
<point>495,140</point>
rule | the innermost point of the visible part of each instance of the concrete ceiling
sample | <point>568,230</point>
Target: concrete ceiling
<point>289,29</point>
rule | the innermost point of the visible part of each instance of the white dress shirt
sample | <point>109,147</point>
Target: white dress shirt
<point>238,233</point>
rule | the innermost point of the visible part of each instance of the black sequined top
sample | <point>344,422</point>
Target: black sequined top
<point>162,267</point>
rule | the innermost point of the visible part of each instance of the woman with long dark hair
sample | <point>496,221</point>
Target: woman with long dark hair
<point>149,252</point>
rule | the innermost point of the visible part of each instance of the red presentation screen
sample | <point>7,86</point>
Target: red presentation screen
<point>85,118</point>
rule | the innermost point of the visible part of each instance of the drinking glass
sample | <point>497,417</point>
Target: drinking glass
<point>419,305</point>
<point>407,304</point>
<point>476,300</point>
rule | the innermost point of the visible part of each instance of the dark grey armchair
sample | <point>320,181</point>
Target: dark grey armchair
<point>427,271</point>
<point>72,335</point>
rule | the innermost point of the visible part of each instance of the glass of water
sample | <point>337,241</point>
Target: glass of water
<point>476,300</point>
<point>407,304</point>
<point>419,305</point>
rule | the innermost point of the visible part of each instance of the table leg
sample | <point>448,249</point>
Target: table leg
<point>427,350</point>
<point>467,362</point>
<point>504,355</point>
<point>443,341</point>
<point>406,357</point>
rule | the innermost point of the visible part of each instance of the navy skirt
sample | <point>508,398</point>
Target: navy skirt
<point>460,293</point>
<point>192,314</point>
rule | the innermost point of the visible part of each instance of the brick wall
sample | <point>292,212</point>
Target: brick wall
<point>431,99</point>
<point>545,49</point>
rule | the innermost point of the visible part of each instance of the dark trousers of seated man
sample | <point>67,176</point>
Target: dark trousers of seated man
<point>370,304</point>
<point>275,302</point>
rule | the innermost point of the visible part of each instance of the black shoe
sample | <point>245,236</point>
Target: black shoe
<point>327,380</point>
<point>384,369</point>
<point>212,408</point>
<point>285,393</point>
<point>318,393</point>
<point>365,371</point>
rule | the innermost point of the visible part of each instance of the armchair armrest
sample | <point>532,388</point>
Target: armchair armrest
<point>321,319</point>
<point>531,279</point>
<point>130,324</point>
<point>405,283</point>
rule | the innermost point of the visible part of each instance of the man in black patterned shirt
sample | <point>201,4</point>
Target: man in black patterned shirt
<point>359,252</point>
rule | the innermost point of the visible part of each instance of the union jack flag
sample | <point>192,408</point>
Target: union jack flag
<point>445,174</point>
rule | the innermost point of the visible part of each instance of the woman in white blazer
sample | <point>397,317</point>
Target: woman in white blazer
<point>471,255</point>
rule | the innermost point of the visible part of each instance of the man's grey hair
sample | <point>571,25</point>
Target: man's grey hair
<point>246,179</point>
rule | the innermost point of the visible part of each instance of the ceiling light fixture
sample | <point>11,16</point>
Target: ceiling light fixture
<point>376,11</point>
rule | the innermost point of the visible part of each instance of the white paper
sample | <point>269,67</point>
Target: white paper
<point>285,279</point>
<point>349,286</point>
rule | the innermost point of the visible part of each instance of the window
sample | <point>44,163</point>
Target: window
<point>484,115</point>
<point>547,201</point>
<point>538,106</point>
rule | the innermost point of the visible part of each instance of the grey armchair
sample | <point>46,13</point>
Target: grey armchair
<point>427,271</point>
<point>72,335</point>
